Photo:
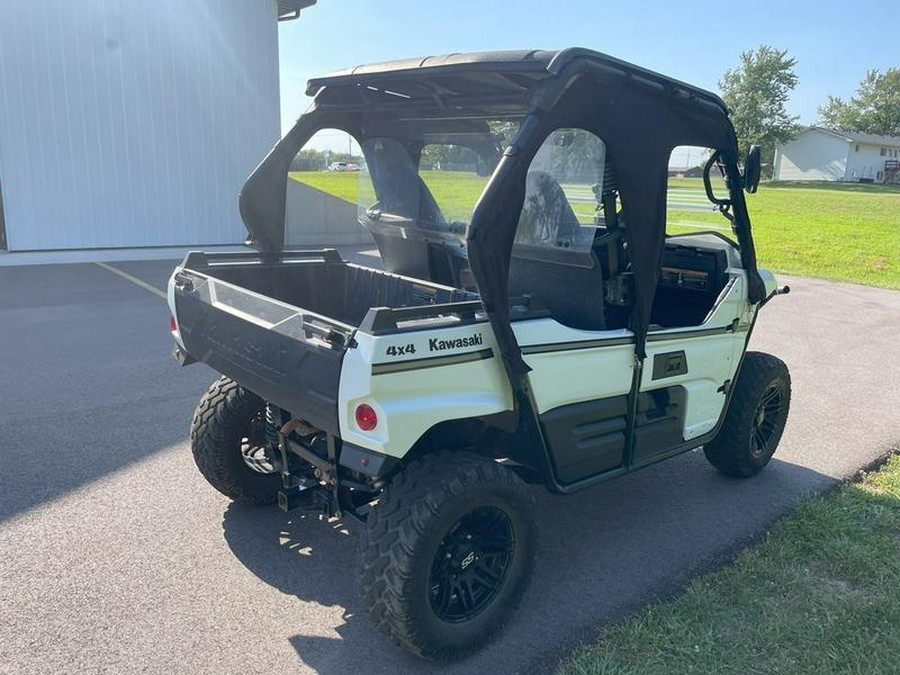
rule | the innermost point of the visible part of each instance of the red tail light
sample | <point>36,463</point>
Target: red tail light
<point>173,324</point>
<point>366,419</point>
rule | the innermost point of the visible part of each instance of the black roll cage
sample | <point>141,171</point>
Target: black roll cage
<point>640,115</point>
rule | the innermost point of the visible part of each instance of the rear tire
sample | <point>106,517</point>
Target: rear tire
<point>755,418</point>
<point>446,553</point>
<point>228,442</point>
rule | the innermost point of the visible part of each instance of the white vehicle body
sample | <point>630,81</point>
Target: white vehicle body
<point>433,380</point>
<point>441,369</point>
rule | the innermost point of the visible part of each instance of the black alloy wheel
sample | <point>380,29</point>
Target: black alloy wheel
<point>767,422</point>
<point>471,564</point>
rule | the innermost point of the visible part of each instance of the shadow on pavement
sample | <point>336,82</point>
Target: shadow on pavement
<point>87,381</point>
<point>304,555</point>
<point>88,385</point>
<point>603,553</point>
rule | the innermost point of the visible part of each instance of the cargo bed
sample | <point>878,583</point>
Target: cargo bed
<point>280,326</point>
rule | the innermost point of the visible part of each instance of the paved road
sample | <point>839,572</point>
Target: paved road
<point>117,557</point>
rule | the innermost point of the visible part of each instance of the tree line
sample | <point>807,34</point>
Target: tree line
<point>757,92</point>
<point>310,159</point>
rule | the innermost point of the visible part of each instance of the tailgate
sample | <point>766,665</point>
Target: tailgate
<point>283,353</point>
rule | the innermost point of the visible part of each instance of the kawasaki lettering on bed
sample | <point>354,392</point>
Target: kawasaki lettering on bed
<point>547,332</point>
<point>438,345</point>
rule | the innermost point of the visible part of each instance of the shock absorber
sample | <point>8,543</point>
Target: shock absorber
<point>274,422</point>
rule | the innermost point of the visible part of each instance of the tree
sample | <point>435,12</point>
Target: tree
<point>446,155</point>
<point>757,93</point>
<point>874,110</point>
<point>308,159</point>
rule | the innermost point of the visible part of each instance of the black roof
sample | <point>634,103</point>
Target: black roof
<point>523,61</point>
<point>290,9</point>
<point>495,71</point>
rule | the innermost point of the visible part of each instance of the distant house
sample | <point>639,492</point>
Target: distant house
<point>823,154</point>
<point>686,171</point>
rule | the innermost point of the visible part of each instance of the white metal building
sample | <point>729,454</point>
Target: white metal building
<point>823,154</point>
<point>126,123</point>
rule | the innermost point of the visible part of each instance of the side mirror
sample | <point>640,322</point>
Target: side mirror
<point>752,170</point>
<point>482,168</point>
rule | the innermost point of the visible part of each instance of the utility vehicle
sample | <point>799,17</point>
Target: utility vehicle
<point>554,308</point>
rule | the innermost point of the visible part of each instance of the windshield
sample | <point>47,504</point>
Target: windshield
<point>424,183</point>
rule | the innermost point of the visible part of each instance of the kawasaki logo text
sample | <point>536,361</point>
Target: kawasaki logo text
<point>436,345</point>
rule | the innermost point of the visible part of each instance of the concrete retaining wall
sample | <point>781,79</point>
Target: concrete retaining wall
<point>316,218</point>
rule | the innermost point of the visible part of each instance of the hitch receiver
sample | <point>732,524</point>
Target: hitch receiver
<point>297,496</point>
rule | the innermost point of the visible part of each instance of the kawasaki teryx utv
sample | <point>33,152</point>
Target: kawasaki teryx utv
<point>559,305</point>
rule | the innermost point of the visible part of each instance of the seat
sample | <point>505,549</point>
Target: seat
<point>401,190</point>
<point>540,266</point>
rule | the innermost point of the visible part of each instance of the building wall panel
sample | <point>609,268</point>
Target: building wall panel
<point>126,123</point>
<point>866,161</point>
<point>813,155</point>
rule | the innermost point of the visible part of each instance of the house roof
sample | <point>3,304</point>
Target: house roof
<point>856,137</point>
<point>290,9</point>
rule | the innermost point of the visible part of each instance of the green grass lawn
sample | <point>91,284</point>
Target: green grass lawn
<point>844,231</point>
<point>343,184</point>
<point>835,231</point>
<point>820,595</point>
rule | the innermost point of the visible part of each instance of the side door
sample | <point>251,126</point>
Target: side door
<point>581,367</point>
<point>700,320</point>
<point>688,371</point>
<point>580,382</point>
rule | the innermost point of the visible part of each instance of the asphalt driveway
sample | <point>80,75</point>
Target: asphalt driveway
<point>117,557</point>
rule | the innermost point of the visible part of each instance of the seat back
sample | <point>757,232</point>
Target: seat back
<point>573,295</point>
<point>539,266</point>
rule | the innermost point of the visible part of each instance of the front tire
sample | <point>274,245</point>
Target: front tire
<point>447,552</point>
<point>755,418</point>
<point>228,442</point>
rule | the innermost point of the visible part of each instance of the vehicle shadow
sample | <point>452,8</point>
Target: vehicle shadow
<point>304,555</point>
<point>603,553</point>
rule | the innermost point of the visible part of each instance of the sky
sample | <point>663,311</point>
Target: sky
<point>835,43</point>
